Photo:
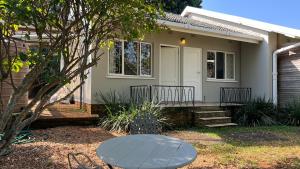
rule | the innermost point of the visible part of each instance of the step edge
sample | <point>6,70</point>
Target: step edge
<point>215,118</point>
<point>221,125</point>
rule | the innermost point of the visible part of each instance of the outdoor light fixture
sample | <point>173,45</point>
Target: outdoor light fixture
<point>182,41</point>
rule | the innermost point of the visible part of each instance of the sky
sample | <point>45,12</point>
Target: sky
<point>280,12</point>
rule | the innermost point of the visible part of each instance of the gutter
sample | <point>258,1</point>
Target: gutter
<point>275,71</point>
<point>209,32</point>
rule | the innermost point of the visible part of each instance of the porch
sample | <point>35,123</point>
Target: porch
<point>184,96</point>
<point>181,107</point>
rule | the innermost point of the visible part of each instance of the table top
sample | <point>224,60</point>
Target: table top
<point>146,151</point>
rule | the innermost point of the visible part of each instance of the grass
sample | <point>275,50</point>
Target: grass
<point>259,147</point>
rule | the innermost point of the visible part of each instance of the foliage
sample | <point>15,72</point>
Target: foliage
<point>177,6</point>
<point>73,31</point>
<point>257,112</point>
<point>292,112</point>
<point>120,114</point>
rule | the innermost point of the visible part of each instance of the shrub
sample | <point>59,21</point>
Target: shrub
<point>292,112</point>
<point>257,112</point>
<point>119,114</point>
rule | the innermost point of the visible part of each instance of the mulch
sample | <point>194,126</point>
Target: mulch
<point>52,145</point>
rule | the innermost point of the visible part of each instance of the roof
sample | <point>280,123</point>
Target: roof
<point>290,32</point>
<point>174,20</point>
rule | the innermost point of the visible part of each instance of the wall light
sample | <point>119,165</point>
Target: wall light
<point>182,41</point>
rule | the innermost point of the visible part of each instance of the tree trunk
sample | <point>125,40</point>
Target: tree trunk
<point>5,144</point>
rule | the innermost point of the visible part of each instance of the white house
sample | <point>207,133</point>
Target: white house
<point>206,57</point>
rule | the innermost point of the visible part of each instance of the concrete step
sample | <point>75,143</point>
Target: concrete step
<point>207,108</point>
<point>203,114</point>
<point>221,125</point>
<point>212,120</point>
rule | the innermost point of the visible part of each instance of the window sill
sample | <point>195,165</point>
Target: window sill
<point>129,77</point>
<point>222,81</point>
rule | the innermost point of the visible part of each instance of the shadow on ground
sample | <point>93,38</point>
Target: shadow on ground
<point>73,135</point>
<point>30,157</point>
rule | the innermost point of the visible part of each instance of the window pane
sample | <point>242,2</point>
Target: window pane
<point>131,61</point>
<point>210,65</point>
<point>210,55</point>
<point>220,65</point>
<point>115,58</point>
<point>230,66</point>
<point>145,59</point>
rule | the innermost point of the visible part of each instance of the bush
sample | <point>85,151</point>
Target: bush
<point>292,112</point>
<point>257,112</point>
<point>119,114</point>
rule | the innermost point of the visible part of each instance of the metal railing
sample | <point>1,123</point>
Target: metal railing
<point>233,95</point>
<point>162,94</point>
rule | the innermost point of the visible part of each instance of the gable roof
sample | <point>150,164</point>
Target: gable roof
<point>204,28</point>
<point>290,32</point>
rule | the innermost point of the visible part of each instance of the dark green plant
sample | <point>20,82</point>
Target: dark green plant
<point>119,113</point>
<point>113,101</point>
<point>257,112</point>
<point>177,6</point>
<point>293,111</point>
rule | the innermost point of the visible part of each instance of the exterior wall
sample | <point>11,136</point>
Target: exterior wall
<point>7,89</point>
<point>105,83</point>
<point>257,66</point>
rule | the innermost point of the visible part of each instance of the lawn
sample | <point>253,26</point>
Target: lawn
<point>260,147</point>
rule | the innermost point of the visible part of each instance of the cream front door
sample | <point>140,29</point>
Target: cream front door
<point>192,70</point>
<point>169,66</point>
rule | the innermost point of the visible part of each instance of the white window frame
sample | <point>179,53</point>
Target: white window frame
<point>225,66</point>
<point>123,75</point>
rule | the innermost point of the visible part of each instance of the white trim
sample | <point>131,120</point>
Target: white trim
<point>225,69</point>
<point>129,77</point>
<point>240,21</point>
<point>179,63</point>
<point>221,80</point>
<point>209,32</point>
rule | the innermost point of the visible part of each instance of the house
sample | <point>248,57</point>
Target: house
<point>208,56</point>
<point>204,57</point>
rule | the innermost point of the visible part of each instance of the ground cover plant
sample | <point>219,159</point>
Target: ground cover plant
<point>257,112</point>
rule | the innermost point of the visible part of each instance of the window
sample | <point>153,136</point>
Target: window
<point>115,59</point>
<point>220,65</point>
<point>146,59</point>
<point>130,58</point>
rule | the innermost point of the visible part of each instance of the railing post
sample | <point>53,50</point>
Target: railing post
<point>194,94</point>
<point>221,96</point>
<point>131,95</point>
<point>150,93</point>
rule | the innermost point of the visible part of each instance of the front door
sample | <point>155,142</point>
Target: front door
<point>169,66</point>
<point>192,70</point>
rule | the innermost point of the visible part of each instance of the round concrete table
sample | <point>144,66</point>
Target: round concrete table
<point>146,152</point>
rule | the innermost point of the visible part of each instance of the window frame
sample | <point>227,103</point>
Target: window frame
<point>123,75</point>
<point>225,66</point>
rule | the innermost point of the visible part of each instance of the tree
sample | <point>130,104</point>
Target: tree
<point>177,6</point>
<point>74,30</point>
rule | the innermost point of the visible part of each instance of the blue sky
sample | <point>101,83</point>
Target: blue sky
<point>280,12</point>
